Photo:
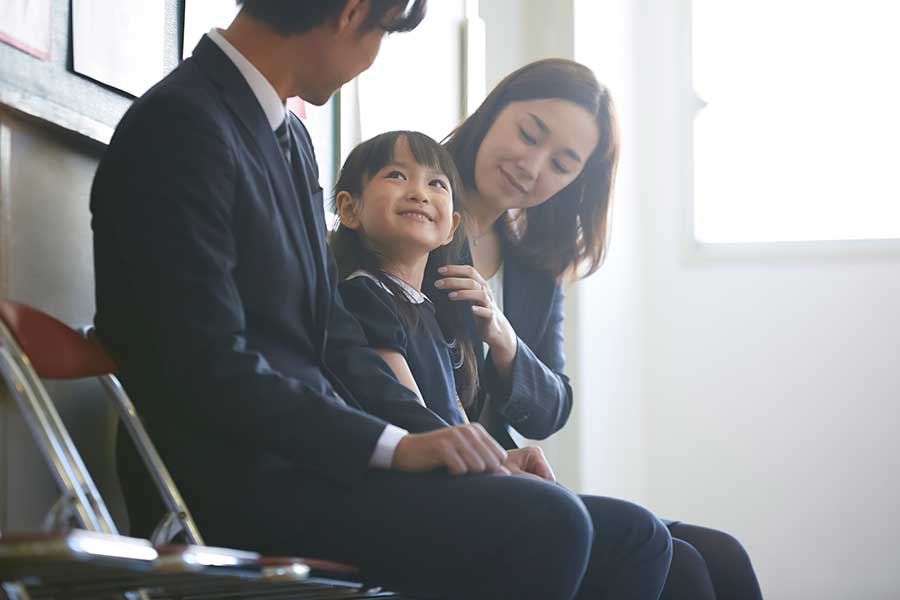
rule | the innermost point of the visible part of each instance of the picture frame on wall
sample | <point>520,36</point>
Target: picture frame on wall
<point>27,26</point>
<point>119,43</point>
<point>77,87</point>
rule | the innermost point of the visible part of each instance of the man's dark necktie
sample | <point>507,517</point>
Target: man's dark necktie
<point>284,140</point>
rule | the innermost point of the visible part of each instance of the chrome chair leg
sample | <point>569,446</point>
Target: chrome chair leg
<point>62,515</point>
<point>50,444</point>
<point>178,518</point>
<point>15,591</point>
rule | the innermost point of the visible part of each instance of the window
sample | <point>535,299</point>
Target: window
<point>799,138</point>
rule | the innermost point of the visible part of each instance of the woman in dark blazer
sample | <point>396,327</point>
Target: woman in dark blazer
<point>538,159</point>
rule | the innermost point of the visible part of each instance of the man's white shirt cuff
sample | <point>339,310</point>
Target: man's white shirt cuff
<point>383,456</point>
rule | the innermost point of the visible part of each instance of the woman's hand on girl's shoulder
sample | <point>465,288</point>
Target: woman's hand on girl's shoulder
<point>465,284</point>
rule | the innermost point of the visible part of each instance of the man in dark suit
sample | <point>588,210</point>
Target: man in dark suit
<point>216,296</point>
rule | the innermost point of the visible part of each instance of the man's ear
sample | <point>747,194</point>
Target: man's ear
<point>456,219</point>
<point>347,210</point>
<point>353,15</point>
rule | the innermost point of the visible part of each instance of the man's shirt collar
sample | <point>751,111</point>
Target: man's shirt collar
<point>271,104</point>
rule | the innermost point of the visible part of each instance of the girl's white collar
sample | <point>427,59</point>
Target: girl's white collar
<point>412,294</point>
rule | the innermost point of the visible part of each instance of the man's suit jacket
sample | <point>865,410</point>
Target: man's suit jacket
<point>537,398</point>
<point>215,295</point>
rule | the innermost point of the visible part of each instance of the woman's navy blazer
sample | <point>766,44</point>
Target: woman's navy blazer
<point>537,399</point>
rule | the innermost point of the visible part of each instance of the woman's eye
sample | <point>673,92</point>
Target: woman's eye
<point>439,183</point>
<point>560,168</point>
<point>528,139</point>
<point>395,175</point>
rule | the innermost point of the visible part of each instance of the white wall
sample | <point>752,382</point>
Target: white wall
<point>771,382</point>
<point>753,390</point>
<point>371,103</point>
<point>609,323</point>
<point>521,31</point>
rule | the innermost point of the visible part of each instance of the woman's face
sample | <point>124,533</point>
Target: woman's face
<point>534,149</point>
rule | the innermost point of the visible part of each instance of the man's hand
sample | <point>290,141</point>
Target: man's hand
<point>529,461</point>
<point>461,449</point>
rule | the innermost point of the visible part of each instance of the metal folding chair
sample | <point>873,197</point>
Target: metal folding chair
<point>35,345</point>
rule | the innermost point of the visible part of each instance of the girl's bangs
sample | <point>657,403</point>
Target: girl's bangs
<point>425,151</point>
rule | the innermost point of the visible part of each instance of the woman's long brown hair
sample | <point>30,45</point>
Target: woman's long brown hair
<point>569,233</point>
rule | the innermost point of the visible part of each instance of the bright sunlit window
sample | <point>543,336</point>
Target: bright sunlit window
<point>800,136</point>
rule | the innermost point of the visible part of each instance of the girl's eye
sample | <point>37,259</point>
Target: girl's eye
<point>560,168</point>
<point>528,139</point>
<point>440,183</point>
<point>395,175</point>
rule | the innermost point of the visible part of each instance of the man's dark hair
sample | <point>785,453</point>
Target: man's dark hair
<point>289,17</point>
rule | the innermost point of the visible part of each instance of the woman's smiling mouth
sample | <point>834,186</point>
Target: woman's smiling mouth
<point>513,182</point>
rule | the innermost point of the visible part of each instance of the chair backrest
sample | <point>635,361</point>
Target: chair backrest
<point>56,351</point>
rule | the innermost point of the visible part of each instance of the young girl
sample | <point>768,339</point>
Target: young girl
<point>397,201</point>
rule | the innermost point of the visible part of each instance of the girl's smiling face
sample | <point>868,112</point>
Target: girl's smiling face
<point>533,149</point>
<point>405,207</point>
